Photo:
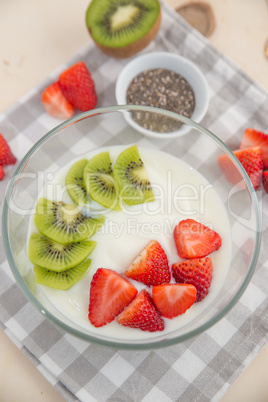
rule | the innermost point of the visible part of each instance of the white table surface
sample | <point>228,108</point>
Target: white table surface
<point>36,37</point>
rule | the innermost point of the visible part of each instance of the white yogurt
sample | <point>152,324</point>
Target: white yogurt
<point>180,193</point>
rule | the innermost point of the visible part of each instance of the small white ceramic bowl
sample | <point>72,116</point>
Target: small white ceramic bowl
<point>169,61</point>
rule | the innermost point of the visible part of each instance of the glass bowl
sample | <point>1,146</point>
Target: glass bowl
<point>235,213</point>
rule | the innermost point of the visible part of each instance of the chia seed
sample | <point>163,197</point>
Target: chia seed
<point>164,89</point>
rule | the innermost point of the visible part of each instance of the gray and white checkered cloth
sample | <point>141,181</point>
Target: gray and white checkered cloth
<point>203,367</point>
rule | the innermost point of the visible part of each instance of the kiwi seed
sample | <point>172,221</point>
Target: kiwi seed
<point>132,177</point>
<point>75,183</point>
<point>100,183</point>
<point>64,223</point>
<point>54,256</point>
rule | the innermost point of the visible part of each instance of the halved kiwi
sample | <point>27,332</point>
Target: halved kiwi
<point>64,223</point>
<point>121,28</point>
<point>132,178</point>
<point>75,185</point>
<point>54,256</point>
<point>61,280</point>
<point>100,183</point>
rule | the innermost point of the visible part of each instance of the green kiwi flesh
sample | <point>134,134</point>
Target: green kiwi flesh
<point>64,223</point>
<point>54,256</point>
<point>75,185</point>
<point>121,28</point>
<point>100,183</point>
<point>132,177</point>
<point>61,280</point>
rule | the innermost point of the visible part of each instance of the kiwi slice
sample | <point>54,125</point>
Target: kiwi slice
<point>100,183</point>
<point>54,256</point>
<point>61,280</point>
<point>132,178</point>
<point>121,28</point>
<point>75,185</point>
<point>64,223</point>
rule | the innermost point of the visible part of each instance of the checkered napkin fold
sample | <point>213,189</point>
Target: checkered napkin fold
<point>203,367</point>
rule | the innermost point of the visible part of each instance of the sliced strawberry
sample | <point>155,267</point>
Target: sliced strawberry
<point>194,240</point>
<point>172,300</point>
<point>110,293</point>
<point>2,173</point>
<point>142,314</point>
<point>55,102</point>
<point>151,266</point>
<point>78,87</point>
<point>252,138</point>
<point>265,180</point>
<point>197,272</point>
<point>6,156</point>
<point>252,161</point>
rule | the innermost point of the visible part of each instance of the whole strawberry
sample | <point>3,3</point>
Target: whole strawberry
<point>6,156</point>
<point>197,272</point>
<point>142,314</point>
<point>78,87</point>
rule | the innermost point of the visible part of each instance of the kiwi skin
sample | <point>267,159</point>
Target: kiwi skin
<point>132,48</point>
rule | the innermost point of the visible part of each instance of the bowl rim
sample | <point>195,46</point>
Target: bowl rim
<point>163,60</point>
<point>144,345</point>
